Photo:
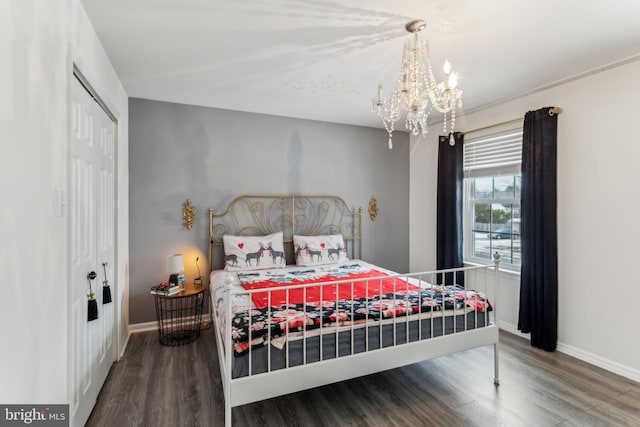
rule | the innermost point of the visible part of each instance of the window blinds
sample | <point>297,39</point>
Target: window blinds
<point>495,154</point>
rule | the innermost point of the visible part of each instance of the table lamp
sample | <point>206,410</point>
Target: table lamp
<point>198,280</point>
<point>175,266</point>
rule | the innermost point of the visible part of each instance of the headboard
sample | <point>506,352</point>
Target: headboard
<point>309,215</point>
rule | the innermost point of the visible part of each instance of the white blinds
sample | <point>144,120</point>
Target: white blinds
<point>495,154</point>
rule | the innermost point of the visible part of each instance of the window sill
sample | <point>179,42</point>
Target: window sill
<point>505,271</point>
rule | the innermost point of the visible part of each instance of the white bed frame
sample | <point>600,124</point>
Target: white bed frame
<point>289,213</point>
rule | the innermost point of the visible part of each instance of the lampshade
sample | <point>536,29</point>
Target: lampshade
<point>175,263</point>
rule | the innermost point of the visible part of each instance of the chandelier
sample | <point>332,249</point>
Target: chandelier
<point>418,92</point>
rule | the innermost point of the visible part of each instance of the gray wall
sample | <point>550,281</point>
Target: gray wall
<point>180,152</point>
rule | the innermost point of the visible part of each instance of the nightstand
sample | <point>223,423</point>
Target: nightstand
<point>179,315</point>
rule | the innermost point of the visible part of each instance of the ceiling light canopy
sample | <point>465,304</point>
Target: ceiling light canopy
<point>418,91</point>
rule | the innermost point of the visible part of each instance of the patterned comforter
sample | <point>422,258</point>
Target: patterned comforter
<point>365,293</point>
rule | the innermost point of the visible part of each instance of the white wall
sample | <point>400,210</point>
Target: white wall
<point>39,40</point>
<point>598,226</point>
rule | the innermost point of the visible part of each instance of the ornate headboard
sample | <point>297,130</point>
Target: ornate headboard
<point>309,215</point>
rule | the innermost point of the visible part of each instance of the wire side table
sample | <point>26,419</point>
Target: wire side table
<point>179,315</point>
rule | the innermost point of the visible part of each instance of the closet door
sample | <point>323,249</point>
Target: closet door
<point>91,236</point>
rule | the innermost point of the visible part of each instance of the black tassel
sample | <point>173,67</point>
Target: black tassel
<point>106,294</point>
<point>93,308</point>
<point>106,290</point>
<point>92,311</point>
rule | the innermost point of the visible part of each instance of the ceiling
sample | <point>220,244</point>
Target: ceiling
<point>323,59</point>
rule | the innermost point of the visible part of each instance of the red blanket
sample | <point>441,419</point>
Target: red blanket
<point>314,294</point>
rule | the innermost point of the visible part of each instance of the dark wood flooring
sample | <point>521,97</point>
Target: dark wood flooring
<point>162,386</point>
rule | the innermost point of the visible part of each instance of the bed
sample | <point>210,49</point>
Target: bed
<point>295,306</point>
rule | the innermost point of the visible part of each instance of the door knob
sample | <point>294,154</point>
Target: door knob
<point>91,275</point>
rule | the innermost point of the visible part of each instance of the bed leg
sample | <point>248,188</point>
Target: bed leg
<point>496,364</point>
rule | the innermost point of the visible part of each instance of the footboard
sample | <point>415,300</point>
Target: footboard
<point>282,339</point>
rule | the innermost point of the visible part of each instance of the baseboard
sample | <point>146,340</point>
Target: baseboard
<point>124,346</point>
<point>143,327</point>
<point>601,362</point>
<point>512,329</point>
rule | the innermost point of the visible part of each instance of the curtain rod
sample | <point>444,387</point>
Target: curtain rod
<point>552,111</point>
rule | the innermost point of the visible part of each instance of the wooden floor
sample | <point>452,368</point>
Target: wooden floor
<point>162,386</point>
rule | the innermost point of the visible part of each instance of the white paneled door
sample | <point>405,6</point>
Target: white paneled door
<point>92,232</point>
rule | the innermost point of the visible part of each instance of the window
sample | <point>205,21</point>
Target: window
<point>492,197</point>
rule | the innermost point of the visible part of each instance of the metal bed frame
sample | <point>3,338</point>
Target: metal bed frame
<point>315,215</point>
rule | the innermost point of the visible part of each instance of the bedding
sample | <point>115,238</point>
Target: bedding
<point>296,352</point>
<point>319,250</point>
<point>297,305</point>
<point>253,252</point>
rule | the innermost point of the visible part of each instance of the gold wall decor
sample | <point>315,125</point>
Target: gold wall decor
<point>373,208</point>
<point>189,214</point>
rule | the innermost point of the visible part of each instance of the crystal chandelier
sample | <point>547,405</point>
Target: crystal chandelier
<point>418,92</point>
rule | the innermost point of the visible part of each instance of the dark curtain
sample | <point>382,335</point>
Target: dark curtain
<point>539,273</point>
<point>449,208</point>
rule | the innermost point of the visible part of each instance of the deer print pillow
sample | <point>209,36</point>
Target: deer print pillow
<point>253,252</point>
<point>318,250</point>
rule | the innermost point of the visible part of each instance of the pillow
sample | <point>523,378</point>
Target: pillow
<point>318,250</point>
<point>253,252</point>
